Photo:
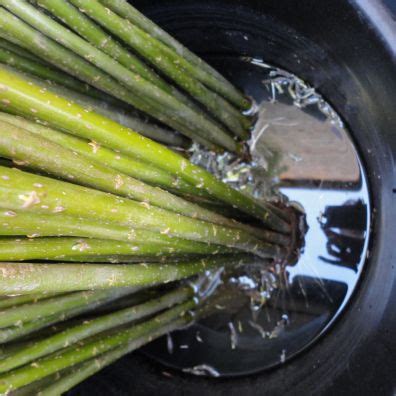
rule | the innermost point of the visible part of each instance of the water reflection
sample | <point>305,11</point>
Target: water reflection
<point>265,315</point>
<point>345,229</point>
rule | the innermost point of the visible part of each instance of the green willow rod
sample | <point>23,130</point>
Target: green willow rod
<point>34,278</point>
<point>121,115</point>
<point>130,259</point>
<point>93,33</point>
<point>107,157</point>
<point>88,368</point>
<point>98,303</point>
<point>139,297</point>
<point>53,305</point>
<point>12,333</point>
<point>66,379</point>
<point>137,86</point>
<point>24,249</point>
<point>10,43</point>
<point>36,388</point>
<point>73,355</point>
<point>8,302</point>
<point>104,301</point>
<point>37,194</point>
<point>19,48</point>
<point>92,327</point>
<point>18,223</point>
<point>39,153</point>
<point>208,75</point>
<point>80,68</point>
<point>164,59</point>
<point>19,62</point>
<point>86,28</point>
<point>92,302</point>
<point>28,99</point>
<point>7,350</point>
<point>100,106</point>
<point>16,49</point>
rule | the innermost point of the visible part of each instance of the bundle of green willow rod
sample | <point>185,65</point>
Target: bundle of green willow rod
<point>103,219</point>
<point>70,35</point>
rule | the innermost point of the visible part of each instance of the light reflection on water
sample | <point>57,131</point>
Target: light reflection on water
<point>304,149</point>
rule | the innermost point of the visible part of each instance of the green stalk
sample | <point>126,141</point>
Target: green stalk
<point>101,297</point>
<point>74,355</point>
<point>16,49</point>
<point>137,298</point>
<point>8,302</point>
<point>37,194</point>
<point>88,368</point>
<point>10,58</point>
<point>124,116</point>
<point>40,153</point>
<point>123,259</point>
<point>35,388</point>
<point>93,327</point>
<point>107,106</point>
<point>37,310</point>
<point>34,278</point>
<point>85,71</point>
<point>33,225</point>
<point>87,29</point>
<point>8,350</point>
<point>203,71</point>
<point>12,333</point>
<point>29,100</point>
<point>137,87</point>
<point>107,157</point>
<point>11,43</point>
<point>167,61</point>
<point>70,16</point>
<point>67,248</point>
<point>72,376</point>
<point>86,95</point>
<point>46,225</point>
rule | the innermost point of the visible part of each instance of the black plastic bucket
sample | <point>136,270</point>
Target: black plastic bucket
<point>347,51</point>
